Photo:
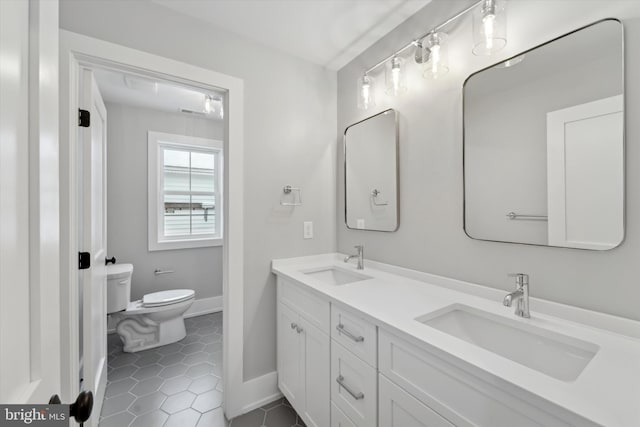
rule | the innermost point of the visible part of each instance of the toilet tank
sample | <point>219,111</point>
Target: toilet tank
<point>118,286</point>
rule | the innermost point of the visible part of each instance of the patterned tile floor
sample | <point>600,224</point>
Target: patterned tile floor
<point>179,385</point>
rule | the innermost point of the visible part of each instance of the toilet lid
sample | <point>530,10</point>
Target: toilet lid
<point>173,296</point>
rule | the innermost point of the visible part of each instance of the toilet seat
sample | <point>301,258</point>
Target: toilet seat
<point>162,298</point>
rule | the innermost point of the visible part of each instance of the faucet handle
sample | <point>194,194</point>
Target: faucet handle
<point>521,278</point>
<point>359,247</point>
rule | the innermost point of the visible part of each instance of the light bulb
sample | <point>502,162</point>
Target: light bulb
<point>395,77</point>
<point>488,22</point>
<point>436,55</point>
<point>435,58</point>
<point>365,92</point>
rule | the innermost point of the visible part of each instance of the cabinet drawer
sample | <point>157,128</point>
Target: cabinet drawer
<point>355,333</point>
<point>461,397</point>
<point>353,386</point>
<point>338,418</point>
<point>311,307</point>
<point>399,409</point>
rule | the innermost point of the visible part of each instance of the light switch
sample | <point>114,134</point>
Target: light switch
<point>308,230</point>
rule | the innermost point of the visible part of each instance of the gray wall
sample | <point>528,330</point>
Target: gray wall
<point>431,237</point>
<point>199,269</point>
<point>290,121</point>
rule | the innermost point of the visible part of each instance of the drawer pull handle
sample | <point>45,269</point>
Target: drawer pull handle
<point>342,330</point>
<point>293,326</point>
<point>356,396</point>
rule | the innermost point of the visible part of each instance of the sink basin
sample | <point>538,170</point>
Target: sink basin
<point>335,276</point>
<point>559,356</point>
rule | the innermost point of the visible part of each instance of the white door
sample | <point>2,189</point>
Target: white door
<point>93,239</point>
<point>316,382</point>
<point>29,203</point>
<point>288,347</point>
<point>585,175</point>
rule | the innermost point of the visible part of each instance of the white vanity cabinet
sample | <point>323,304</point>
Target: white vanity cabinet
<point>304,352</point>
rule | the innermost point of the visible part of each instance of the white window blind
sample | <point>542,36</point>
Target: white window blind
<point>188,194</point>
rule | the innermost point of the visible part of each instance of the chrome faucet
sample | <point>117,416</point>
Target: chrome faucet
<point>521,294</point>
<point>359,255</point>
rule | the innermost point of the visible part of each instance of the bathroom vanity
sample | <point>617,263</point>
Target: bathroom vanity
<point>387,346</point>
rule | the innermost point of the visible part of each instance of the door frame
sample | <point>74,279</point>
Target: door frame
<point>82,51</point>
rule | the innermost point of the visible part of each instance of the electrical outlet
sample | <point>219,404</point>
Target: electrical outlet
<point>308,230</point>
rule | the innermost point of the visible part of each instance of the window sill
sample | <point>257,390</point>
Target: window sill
<point>184,244</point>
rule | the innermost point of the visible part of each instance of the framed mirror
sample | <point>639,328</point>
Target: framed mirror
<point>544,143</point>
<point>371,173</point>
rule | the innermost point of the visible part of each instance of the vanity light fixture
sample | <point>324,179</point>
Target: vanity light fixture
<point>395,77</point>
<point>365,92</point>
<point>489,27</point>
<point>489,33</point>
<point>435,56</point>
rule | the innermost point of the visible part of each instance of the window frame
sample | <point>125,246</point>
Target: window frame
<point>157,142</point>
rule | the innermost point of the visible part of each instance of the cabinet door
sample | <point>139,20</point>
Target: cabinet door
<point>315,357</point>
<point>289,360</point>
<point>397,408</point>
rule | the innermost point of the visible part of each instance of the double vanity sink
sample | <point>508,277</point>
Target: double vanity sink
<point>559,356</point>
<point>582,362</point>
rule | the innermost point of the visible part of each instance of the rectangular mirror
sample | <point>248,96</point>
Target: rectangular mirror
<point>371,173</point>
<point>544,144</point>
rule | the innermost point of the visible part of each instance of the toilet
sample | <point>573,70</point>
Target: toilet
<point>155,320</point>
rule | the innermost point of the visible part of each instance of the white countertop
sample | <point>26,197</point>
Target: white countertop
<point>606,392</point>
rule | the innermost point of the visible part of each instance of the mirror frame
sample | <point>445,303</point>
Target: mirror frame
<point>397,166</point>
<point>624,138</point>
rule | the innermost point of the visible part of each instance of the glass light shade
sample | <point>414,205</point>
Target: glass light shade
<point>435,51</point>
<point>366,99</point>
<point>489,27</point>
<point>394,77</point>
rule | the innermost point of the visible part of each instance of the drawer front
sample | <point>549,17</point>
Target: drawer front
<point>353,386</point>
<point>399,409</point>
<point>338,418</point>
<point>310,306</point>
<point>356,334</point>
<point>462,398</point>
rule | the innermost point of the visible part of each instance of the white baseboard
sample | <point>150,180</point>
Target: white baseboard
<point>198,308</point>
<point>204,306</point>
<point>260,391</point>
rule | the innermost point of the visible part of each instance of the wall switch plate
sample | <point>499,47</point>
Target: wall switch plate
<point>308,230</point>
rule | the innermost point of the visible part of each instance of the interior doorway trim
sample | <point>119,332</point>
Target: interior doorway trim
<point>81,51</point>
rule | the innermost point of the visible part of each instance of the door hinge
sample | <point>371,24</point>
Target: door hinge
<point>84,118</point>
<point>84,260</point>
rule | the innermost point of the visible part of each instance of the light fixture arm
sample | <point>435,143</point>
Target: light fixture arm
<point>418,42</point>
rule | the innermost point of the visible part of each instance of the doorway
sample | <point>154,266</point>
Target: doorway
<point>92,55</point>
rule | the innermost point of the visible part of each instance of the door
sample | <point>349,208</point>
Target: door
<point>399,409</point>
<point>29,203</point>
<point>93,239</point>
<point>315,370</point>
<point>289,361</point>
<point>585,175</point>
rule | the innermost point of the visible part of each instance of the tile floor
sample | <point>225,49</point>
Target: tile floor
<point>179,385</point>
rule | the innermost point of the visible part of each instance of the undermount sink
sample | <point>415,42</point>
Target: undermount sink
<point>333,275</point>
<point>559,356</point>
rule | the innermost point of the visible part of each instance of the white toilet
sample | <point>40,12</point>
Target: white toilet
<point>155,320</point>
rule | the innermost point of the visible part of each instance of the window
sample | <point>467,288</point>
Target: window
<point>185,192</point>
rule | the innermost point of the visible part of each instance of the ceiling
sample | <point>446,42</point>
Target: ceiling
<point>128,89</point>
<point>329,33</point>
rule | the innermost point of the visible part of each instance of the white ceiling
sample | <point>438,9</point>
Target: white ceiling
<point>150,93</point>
<point>327,32</point>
